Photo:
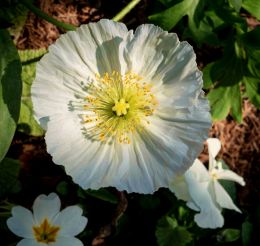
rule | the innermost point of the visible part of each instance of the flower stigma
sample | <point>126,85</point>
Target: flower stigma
<point>45,232</point>
<point>117,106</point>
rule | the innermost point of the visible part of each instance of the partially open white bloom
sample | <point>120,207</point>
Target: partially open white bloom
<point>121,109</point>
<point>47,225</point>
<point>199,186</point>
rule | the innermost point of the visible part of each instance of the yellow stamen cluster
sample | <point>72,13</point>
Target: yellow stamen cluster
<point>117,106</point>
<point>45,232</point>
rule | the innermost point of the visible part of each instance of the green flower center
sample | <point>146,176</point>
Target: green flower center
<point>117,106</point>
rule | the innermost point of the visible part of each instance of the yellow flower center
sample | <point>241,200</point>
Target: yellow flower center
<point>117,106</point>
<point>120,107</point>
<point>45,232</point>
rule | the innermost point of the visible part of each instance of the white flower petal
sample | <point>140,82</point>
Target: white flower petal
<point>192,206</point>
<point>67,241</point>
<point>230,175</point>
<point>29,242</point>
<point>21,222</point>
<point>199,171</point>
<point>180,188</point>
<point>71,221</point>
<point>46,207</point>
<point>209,216</point>
<point>214,146</point>
<point>90,164</point>
<point>223,199</point>
<point>150,49</point>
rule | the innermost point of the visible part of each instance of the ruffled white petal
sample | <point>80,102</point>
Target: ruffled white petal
<point>71,221</point>
<point>223,199</point>
<point>21,222</point>
<point>214,146</point>
<point>76,57</point>
<point>230,175</point>
<point>92,164</point>
<point>67,241</point>
<point>29,242</point>
<point>46,207</point>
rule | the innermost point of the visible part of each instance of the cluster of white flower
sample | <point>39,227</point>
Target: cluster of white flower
<point>126,110</point>
<point>202,191</point>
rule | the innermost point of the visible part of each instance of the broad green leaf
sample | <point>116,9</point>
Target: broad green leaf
<point>149,201</point>
<point>171,16</point>
<point>253,90</point>
<point>207,81</point>
<point>15,14</point>
<point>27,123</point>
<point>10,91</point>
<point>246,233</point>
<point>168,232</point>
<point>62,188</point>
<point>102,194</point>
<point>252,39</point>
<point>9,171</point>
<point>236,4</point>
<point>253,7</point>
<point>226,99</point>
<point>229,235</point>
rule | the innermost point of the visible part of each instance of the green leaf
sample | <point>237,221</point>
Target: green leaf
<point>171,16</point>
<point>252,39</point>
<point>236,4</point>
<point>102,194</point>
<point>229,235</point>
<point>226,99</point>
<point>253,90</point>
<point>149,201</point>
<point>168,232</point>
<point>10,91</point>
<point>9,171</point>
<point>253,7</point>
<point>27,122</point>
<point>246,233</point>
<point>207,81</point>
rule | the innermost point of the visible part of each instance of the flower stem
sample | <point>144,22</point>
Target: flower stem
<point>125,10</point>
<point>46,17</point>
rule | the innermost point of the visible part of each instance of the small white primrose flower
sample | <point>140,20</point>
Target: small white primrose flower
<point>47,225</point>
<point>121,109</point>
<point>202,191</point>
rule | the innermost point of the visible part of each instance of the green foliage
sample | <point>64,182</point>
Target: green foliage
<point>220,25</point>
<point>101,194</point>
<point>168,232</point>
<point>27,123</point>
<point>246,233</point>
<point>9,170</point>
<point>10,91</point>
<point>253,7</point>
<point>228,235</point>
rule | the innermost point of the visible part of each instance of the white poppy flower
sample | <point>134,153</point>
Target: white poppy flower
<point>199,186</point>
<point>121,109</point>
<point>47,225</point>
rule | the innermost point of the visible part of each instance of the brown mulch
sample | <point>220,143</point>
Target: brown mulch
<point>38,33</point>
